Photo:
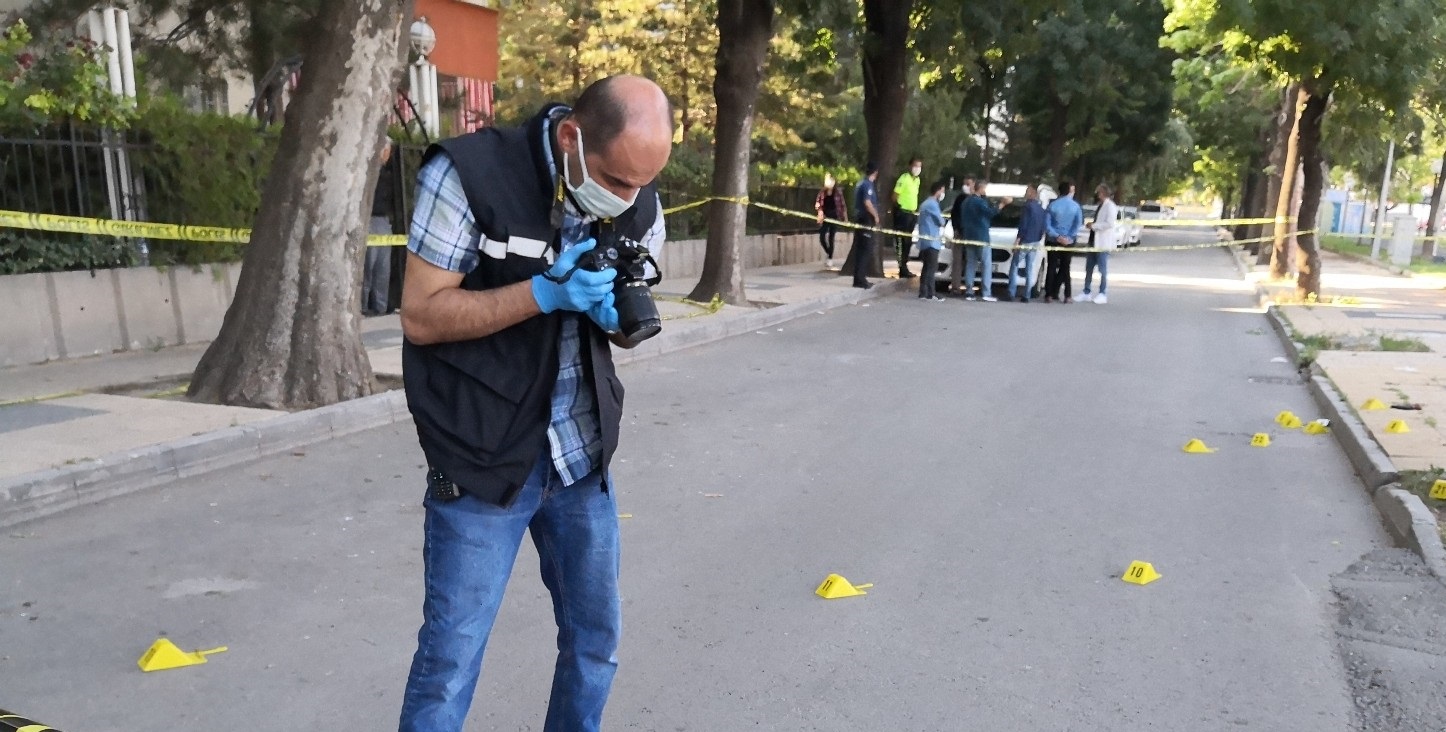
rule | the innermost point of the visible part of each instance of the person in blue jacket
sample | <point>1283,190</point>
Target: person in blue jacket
<point>931,222</point>
<point>978,254</point>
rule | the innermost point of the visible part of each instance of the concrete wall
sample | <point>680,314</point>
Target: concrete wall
<point>73,314</point>
<point>684,259</point>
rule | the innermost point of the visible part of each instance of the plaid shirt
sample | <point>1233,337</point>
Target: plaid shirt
<point>444,232</point>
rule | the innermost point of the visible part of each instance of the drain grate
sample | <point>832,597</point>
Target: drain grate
<point>1277,380</point>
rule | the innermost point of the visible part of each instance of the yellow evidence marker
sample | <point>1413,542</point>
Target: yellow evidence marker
<point>1318,427</point>
<point>1260,440</point>
<point>1373,405</point>
<point>835,586</point>
<point>1438,490</point>
<point>163,654</point>
<point>1197,447</point>
<point>1140,573</point>
<point>1397,427</point>
<point>1287,420</point>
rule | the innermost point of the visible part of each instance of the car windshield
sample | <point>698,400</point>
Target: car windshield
<point>1008,216</point>
<point>1151,208</point>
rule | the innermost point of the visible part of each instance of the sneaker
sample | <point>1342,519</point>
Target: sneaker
<point>968,298</point>
<point>1067,300</point>
<point>938,299</point>
<point>906,275</point>
<point>1100,299</point>
<point>865,286</point>
<point>989,298</point>
<point>1023,299</point>
<point>828,263</point>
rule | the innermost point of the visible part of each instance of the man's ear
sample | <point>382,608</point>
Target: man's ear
<point>567,136</point>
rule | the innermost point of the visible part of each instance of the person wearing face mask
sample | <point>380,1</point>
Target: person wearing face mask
<point>510,380</point>
<point>931,223</point>
<point>906,204</point>
<point>830,207</point>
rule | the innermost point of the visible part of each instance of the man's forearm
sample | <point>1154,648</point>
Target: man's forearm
<point>454,314</point>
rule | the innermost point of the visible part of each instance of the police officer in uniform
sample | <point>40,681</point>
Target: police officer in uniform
<point>510,380</point>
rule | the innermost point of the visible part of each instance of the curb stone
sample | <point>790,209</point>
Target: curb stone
<point>1413,525</point>
<point>1406,516</point>
<point>46,492</point>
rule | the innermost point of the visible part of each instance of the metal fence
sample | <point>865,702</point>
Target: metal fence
<point>74,171</point>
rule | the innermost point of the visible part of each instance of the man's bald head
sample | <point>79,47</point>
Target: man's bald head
<point>625,124</point>
<point>617,104</point>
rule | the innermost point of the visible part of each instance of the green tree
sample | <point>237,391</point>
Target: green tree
<point>1328,47</point>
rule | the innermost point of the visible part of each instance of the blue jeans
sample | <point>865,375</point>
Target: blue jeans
<point>982,259</point>
<point>469,549</point>
<point>1028,257</point>
<point>1102,260</point>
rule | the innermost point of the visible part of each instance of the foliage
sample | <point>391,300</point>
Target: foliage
<point>45,82</point>
<point>178,146</point>
<point>22,252</point>
<point>179,43</point>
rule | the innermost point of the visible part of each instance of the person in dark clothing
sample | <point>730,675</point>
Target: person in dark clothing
<point>931,223</point>
<point>830,207</point>
<point>377,267</point>
<point>979,213</point>
<point>866,213</point>
<point>1027,242</point>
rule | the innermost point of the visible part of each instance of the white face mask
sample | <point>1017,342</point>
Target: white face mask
<point>591,196</point>
<point>916,170</point>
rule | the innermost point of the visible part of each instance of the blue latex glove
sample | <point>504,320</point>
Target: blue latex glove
<point>582,290</point>
<point>605,315</point>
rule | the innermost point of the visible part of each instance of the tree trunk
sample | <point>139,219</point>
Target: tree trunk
<point>1252,196</point>
<point>745,29</point>
<point>1307,266</point>
<point>1280,251</point>
<point>1428,249</point>
<point>1058,135</point>
<point>292,336</point>
<point>1280,136</point>
<point>886,84</point>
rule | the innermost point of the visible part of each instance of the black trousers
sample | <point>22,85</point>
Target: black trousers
<point>863,254</point>
<point>1057,275</point>
<point>826,233</point>
<point>904,221</point>
<point>928,270</point>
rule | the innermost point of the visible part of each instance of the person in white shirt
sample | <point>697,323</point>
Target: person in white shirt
<point>1106,228</point>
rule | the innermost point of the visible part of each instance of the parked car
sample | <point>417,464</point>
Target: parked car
<point>1156,210</point>
<point>1002,231</point>
<point>1128,219</point>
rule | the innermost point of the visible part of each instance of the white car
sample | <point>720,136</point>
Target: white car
<point>1002,231</point>
<point>1127,218</point>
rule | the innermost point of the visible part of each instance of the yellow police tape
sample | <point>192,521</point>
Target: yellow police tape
<point>11,722</point>
<point>148,230</point>
<point>223,235</point>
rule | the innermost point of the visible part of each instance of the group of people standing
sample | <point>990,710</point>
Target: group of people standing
<point>1053,230</point>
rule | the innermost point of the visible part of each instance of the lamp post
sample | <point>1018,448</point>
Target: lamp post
<point>1381,202</point>
<point>423,76</point>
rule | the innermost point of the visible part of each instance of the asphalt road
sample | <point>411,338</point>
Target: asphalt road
<point>991,468</point>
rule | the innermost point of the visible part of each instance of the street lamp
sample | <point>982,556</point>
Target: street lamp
<point>423,75</point>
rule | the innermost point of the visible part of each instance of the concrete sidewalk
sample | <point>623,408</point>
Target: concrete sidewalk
<point>1366,312</point>
<point>76,431</point>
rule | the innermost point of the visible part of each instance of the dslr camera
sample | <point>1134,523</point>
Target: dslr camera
<point>632,290</point>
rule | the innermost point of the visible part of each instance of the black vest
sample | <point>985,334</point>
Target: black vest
<point>482,406</point>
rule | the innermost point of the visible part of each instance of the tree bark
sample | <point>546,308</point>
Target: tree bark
<point>292,336</point>
<point>886,84</point>
<point>1307,282</point>
<point>1252,196</point>
<point>1428,248</point>
<point>1280,135</point>
<point>1283,230</point>
<point>745,29</point>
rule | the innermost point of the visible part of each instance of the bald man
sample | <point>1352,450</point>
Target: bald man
<point>510,380</point>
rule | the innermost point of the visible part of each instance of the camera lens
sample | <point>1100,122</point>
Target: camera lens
<point>638,317</point>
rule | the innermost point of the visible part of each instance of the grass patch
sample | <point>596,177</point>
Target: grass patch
<point>1318,341</point>
<point>1411,345</point>
<point>1362,248</point>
